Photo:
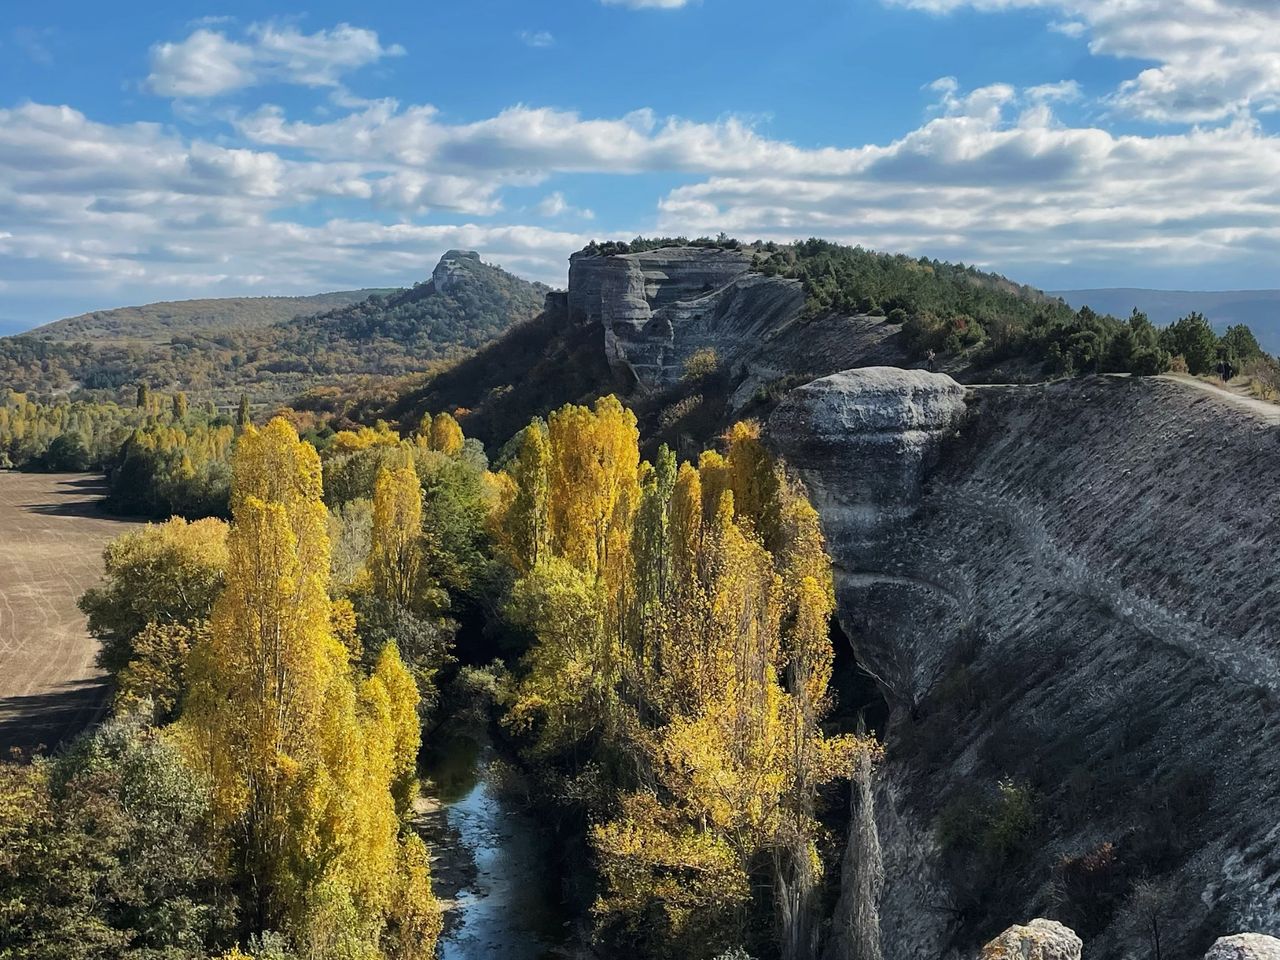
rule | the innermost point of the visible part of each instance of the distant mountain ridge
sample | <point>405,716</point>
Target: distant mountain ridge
<point>1259,309</point>
<point>268,348</point>
<point>157,322</point>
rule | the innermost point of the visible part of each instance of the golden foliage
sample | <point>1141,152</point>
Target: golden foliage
<point>396,553</point>
<point>681,618</point>
<point>445,435</point>
<point>303,753</point>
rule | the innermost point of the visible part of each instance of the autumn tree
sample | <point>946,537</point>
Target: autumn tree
<point>304,753</point>
<point>573,593</point>
<point>442,434</point>
<point>680,616</point>
<point>162,573</point>
<point>396,553</point>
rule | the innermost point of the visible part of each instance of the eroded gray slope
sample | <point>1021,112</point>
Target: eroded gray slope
<point>1081,602</point>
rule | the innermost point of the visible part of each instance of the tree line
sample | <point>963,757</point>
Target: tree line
<point>667,693</point>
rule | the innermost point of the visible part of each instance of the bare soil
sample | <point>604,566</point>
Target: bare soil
<point>52,533</point>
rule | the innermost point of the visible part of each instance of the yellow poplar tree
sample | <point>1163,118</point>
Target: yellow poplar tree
<point>396,551</point>
<point>303,754</point>
<point>527,521</point>
<point>445,435</point>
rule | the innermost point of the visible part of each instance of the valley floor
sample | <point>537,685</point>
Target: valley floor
<point>51,538</point>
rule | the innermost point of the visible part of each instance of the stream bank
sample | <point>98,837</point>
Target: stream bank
<point>492,863</point>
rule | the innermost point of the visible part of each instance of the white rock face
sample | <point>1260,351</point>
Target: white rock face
<point>660,306</point>
<point>1245,946</point>
<point>1037,940</point>
<point>862,439</point>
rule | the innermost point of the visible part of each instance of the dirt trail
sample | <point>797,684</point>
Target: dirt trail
<point>1263,409</point>
<point>51,538</point>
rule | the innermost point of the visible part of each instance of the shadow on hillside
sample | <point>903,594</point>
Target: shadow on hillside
<point>42,722</point>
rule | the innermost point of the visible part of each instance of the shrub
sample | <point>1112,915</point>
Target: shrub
<point>702,363</point>
<point>1090,886</point>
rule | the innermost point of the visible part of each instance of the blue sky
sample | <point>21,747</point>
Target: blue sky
<point>249,148</point>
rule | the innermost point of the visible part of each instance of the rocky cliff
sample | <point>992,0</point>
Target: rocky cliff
<point>454,270</point>
<point>657,308</point>
<point>1069,592</point>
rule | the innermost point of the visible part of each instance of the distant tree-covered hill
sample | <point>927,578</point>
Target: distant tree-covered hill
<point>1258,309</point>
<point>268,350</point>
<point>158,322</point>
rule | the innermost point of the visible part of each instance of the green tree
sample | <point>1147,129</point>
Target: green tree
<point>166,574</point>
<point>1241,345</point>
<point>106,852</point>
<point>1193,339</point>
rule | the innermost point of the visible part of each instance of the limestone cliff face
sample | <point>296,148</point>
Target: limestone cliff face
<point>454,269</point>
<point>658,307</point>
<point>1071,588</point>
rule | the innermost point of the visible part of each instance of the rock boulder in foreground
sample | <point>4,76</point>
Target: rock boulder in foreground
<point>1037,940</point>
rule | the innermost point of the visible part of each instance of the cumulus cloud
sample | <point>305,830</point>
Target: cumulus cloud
<point>991,175</point>
<point>208,63</point>
<point>136,208</point>
<point>1215,58</point>
<point>555,205</point>
<point>999,181</point>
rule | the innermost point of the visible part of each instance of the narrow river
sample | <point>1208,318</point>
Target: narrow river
<point>492,865</point>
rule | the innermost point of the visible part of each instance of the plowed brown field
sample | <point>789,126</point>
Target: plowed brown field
<point>51,537</point>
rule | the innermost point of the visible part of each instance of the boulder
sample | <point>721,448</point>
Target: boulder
<point>1037,940</point>
<point>862,439</point>
<point>1245,946</point>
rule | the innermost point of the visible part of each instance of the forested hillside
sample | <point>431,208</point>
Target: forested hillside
<point>404,331</point>
<point>157,322</point>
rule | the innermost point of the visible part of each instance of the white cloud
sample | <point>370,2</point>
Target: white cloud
<point>555,205</point>
<point>537,38</point>
<point>1215,58</point>
<point>998,180</point>
<point>992,176</point>
<point>208,63</point>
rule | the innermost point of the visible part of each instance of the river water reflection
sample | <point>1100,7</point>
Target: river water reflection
<point>491,864</point>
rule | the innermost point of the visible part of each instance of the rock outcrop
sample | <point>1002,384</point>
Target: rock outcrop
<point>1037,940</point>
<point>1080,601</point>
<point>1245,946</point>
<point>660,306</point>
<point>863,440</point>
<point>454,269</point>
<point>657,308</point>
